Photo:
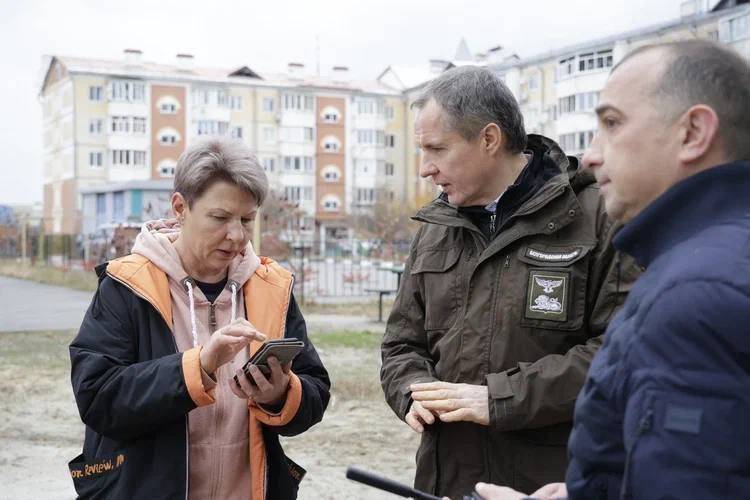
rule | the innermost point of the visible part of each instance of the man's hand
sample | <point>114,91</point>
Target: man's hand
<point>454,402</point>
<point>552,491</point>
<point>493,492</point>
<point>226,342</point>
<point>418,416</point>
<point>265,391</point>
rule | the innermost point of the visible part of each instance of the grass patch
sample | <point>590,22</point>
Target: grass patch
<point>347,339</point>
<point>75,279</point>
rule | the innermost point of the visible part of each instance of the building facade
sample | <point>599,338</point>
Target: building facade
<point>332,146</point>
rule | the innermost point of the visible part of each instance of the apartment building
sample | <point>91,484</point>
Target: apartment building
<point>114,129</point>
<point>332,145</point>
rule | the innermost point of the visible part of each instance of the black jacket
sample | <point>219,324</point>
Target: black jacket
<point>128,380</point>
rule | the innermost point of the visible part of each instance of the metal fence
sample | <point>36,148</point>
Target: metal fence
<point>325,271</point>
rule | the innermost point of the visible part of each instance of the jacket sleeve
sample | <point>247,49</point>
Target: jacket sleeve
<point>117,395</point>
<point>404,352</point>
<point>309,387</point>
<point>543,393</point>
<point>686,395</point>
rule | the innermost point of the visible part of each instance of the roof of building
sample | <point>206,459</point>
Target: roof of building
<point>700,18</point>
<point>144,185</point>
<point>242,75</point>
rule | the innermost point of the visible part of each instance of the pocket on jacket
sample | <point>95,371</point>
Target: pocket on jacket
<point>440,273</point>
<point>702,433</point>
<point>556,281</point>
<point>96,479</point>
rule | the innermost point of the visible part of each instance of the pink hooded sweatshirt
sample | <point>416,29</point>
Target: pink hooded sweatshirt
<point>218,440</point>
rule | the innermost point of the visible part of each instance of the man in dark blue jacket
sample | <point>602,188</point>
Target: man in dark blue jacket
<point>665,410</point>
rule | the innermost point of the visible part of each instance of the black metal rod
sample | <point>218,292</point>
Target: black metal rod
<point>388,485</point>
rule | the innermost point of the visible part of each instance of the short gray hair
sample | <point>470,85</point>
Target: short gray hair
<point>472,98</point>
<point>705,72</point>
<point>212,160</point>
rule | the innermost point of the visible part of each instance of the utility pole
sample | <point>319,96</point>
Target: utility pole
<point>24,223</point>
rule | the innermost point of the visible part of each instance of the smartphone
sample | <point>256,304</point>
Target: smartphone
<point>285,350</point>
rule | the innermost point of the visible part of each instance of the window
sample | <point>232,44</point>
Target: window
<point>390,141</point>
<point>331,203</point>
<point>389,112</point>
<point>128,124</point>
<point>236,132</point>
<point>211,97</point>
<point>95,93</point>
<point>167,168</point>
<point>364,196</point>
<point>297,164</point>
<point>211,127</point>
<point>585,61</point>
<point>366,136</point>
<point>96,159</point>
<point>268,104</point>
<point>269,135</point>
<point>222,99</point>
<point>168,105</point>
<point>128,158</point>
<point>235,102</point>
<point>269,164</point>
<point>298,102</point>
<point>96,126</point>
<point>168,137</point>
<point>330,114</point>
<point>366,107</point>
<point>576,141</point>
<point>331,144</point>
<point>118,206</point>
<point>389,169</point>
<point>578,103</point>
<point>127,91</point>
<point>296,134</point>
<point>139,125</point>
<point>298,194</point>
<point>331,173</point>
<point>120,125</point>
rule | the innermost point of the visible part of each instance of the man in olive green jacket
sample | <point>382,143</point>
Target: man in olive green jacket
<point>510,281</point>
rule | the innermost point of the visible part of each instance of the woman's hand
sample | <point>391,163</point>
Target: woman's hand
<point>226,342</point>
<point>269,391</point>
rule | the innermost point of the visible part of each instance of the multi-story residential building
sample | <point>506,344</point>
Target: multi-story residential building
<point>559,90</point>
<point>332,145</point>
<point>113,131</point>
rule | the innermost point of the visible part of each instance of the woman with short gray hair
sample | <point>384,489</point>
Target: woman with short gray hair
<point>157,364</point>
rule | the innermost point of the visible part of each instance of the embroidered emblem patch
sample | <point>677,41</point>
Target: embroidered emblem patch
<point>548,294</point>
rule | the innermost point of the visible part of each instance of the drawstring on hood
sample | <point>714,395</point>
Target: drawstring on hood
<point>233,287</point>
<point>194,329</point>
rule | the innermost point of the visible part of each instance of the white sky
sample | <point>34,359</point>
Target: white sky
<point>265,35</point>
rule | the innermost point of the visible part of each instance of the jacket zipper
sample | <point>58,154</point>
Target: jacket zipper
<point>187,425</point>
<point>644,426</point>
<point>493,217</point>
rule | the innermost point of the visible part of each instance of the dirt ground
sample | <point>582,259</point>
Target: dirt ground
<point>40,429</point>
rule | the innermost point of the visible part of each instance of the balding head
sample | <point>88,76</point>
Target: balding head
<point>693,72</point>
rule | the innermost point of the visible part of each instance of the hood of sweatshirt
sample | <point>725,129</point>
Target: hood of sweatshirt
<point>156,243</point>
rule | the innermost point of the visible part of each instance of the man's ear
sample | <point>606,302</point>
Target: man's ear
<point>699,132</point>
<point>179,206</point>
<point>491,139</point>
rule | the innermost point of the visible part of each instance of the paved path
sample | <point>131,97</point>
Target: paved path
<point>27,306</point>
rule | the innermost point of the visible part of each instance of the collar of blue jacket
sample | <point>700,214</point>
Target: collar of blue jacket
<point>686,209</point>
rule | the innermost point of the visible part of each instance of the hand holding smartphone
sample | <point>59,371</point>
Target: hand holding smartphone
<point>285,350</point>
